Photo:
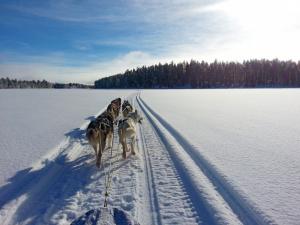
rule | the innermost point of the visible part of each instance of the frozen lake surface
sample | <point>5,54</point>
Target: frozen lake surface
<point>204,157</point>
<point>252,137</point>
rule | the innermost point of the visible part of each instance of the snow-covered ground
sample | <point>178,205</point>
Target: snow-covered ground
<point>35,121</point>
<point>250,139</point>
<point>204,157</point>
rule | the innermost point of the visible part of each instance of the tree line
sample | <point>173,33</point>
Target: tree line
<point>195,74</point>
<point>14,83</point>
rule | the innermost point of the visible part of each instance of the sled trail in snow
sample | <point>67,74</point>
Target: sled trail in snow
<point>213,197</point>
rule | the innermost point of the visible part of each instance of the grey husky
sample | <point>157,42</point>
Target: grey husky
<point>127,130</point>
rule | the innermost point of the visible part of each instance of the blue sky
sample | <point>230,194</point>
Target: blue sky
<point>75,40</point>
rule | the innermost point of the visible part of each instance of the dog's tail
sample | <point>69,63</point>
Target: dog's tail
<point>90,134</point>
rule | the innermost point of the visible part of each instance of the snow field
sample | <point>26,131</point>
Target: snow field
<point>195,164</point>
<point>249,139</point>
<point>35,121</point>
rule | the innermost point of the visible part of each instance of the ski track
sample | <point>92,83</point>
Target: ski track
<point>168,194</point>
<point>165,183</point>
<point>230,202</point>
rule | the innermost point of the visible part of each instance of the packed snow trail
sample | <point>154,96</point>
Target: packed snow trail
<point>209,206</point>
<point>170,202</point>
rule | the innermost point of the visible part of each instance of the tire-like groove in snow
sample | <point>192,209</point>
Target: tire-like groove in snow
<point>170,202</point>
<point>210,207</point>
<point>150,185</point>
<point>242,207</point>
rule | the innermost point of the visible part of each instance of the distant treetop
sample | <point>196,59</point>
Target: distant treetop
<point>14,83</point>
<point>195,74</point>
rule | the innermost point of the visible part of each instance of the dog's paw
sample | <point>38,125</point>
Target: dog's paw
<point>98,164</point>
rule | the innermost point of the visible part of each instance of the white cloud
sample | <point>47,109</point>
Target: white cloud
<point>260,29</point>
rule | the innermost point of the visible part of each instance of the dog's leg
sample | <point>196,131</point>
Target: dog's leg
<point>124,149</point>
<point>100,149</point>
<point>98,155</point>
<point>110,140</point>
<point>122,139</point>
<point>103,142</point>
<point>132,145</point>
<point>95,146</point>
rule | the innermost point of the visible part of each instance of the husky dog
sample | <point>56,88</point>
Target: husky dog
<point>126,108</point>
<point>99,133</point>
<point>127,129</point>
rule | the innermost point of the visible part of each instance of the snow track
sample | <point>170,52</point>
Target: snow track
<point>170,202</point>
<point>210,192</point>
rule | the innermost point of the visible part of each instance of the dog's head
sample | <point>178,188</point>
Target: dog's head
<point>135,116</point>
<point>111,109</point>
<point>126,107</point>
<point>117,101</point>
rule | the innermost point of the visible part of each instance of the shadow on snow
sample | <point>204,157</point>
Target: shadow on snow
<point>47,190</point>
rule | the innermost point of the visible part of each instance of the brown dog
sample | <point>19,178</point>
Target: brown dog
<point>99,133</point>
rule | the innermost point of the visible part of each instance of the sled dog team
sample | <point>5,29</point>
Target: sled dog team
<point>100,131</point>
